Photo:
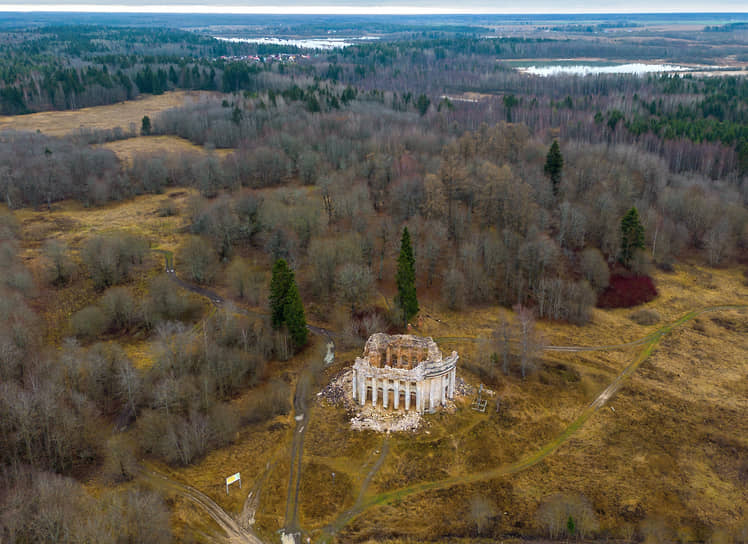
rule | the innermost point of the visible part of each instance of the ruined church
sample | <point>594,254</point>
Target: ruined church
<point>404,371</point>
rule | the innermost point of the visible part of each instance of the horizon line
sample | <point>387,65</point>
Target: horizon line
<point>197,9</point>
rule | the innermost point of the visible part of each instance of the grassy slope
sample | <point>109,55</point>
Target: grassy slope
<point>675,435</point>
<point>60,123</point>
<point>651,453</point>
<point>126,150</point>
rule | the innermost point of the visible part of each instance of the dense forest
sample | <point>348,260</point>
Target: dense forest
<point>539,193</point>
<point>684,119</point>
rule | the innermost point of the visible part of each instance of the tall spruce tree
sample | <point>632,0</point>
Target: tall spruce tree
<point>632,236</point>
<point>554,164</point>
<point>286,307</point>
<point>279,286</point>
<point>293,316</point>
<point>407,300</point>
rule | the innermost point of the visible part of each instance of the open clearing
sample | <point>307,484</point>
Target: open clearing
<point>60,123</point>
<point>126,150</point>
<point>676,419</point>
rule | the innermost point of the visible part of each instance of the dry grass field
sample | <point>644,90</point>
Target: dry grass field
<point>126,150</point>
<point>669,450</point>
<point>71,222</point>
<point>59,123</point>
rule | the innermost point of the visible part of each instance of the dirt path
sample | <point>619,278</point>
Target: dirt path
<point>301,397</point>
<point>649,342</point>
<point>383,451</point>
<point>297,447</point>
<point>235,533</point>
<point>247,517</point>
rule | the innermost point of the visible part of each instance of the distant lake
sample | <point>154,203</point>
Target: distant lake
<point>593,69</point>
<point>311,43</point>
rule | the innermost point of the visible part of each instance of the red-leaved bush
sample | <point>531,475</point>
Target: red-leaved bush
<point>627,291</point>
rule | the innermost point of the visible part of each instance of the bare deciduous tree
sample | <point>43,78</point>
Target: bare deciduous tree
<point>530,340</point>
<point>199,259</point>
<point>554,512</point>
<point>59,267</point>
<point>355,284</point>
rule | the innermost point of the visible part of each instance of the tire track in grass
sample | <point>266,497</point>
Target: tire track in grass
<point>649,343</point>
<point>236,533</point>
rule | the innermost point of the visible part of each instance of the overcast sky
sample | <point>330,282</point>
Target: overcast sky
<point>383,7</point>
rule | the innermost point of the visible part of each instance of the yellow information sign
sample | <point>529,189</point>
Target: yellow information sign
<point>231,479</point>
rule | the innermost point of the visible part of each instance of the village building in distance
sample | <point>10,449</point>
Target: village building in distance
<point>404,371</point>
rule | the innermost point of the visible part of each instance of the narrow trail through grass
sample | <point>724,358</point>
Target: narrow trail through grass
<point>649,343</point>
<point>235,533</point>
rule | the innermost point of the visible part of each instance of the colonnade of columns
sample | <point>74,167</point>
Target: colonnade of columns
<point>429,392</point>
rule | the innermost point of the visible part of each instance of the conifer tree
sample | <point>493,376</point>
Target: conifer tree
<point>632,236</point>
<point>286,307</point>
<point>293,316</point>
<point>554,163</point>
<point>279,285</point>
<point>407,300</point>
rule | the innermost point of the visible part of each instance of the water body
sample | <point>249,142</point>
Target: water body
<point>310,43</point>
<point>586,69</point>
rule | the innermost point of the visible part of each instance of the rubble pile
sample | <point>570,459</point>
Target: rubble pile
<point>382,421</point>
<point>376,418</point>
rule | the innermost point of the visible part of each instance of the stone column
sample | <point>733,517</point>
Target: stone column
<point>353,384</point>
<point>419,396</point>
<point>397,394</point>
<point>431,395</point>
<point>452,377</point>
<point>407,395</point>
<point>373,391</point>
<point>385,392</point>
<point>362,390</point>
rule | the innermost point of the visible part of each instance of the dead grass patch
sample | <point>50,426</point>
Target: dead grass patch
<point>127,150</point>
<point>60,123</point>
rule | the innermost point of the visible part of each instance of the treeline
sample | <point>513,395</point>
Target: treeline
<point>64,67</point>
<point>40,169</point>
<point>511,238</point>
<point>486,223</point>
<point>696,124</point>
